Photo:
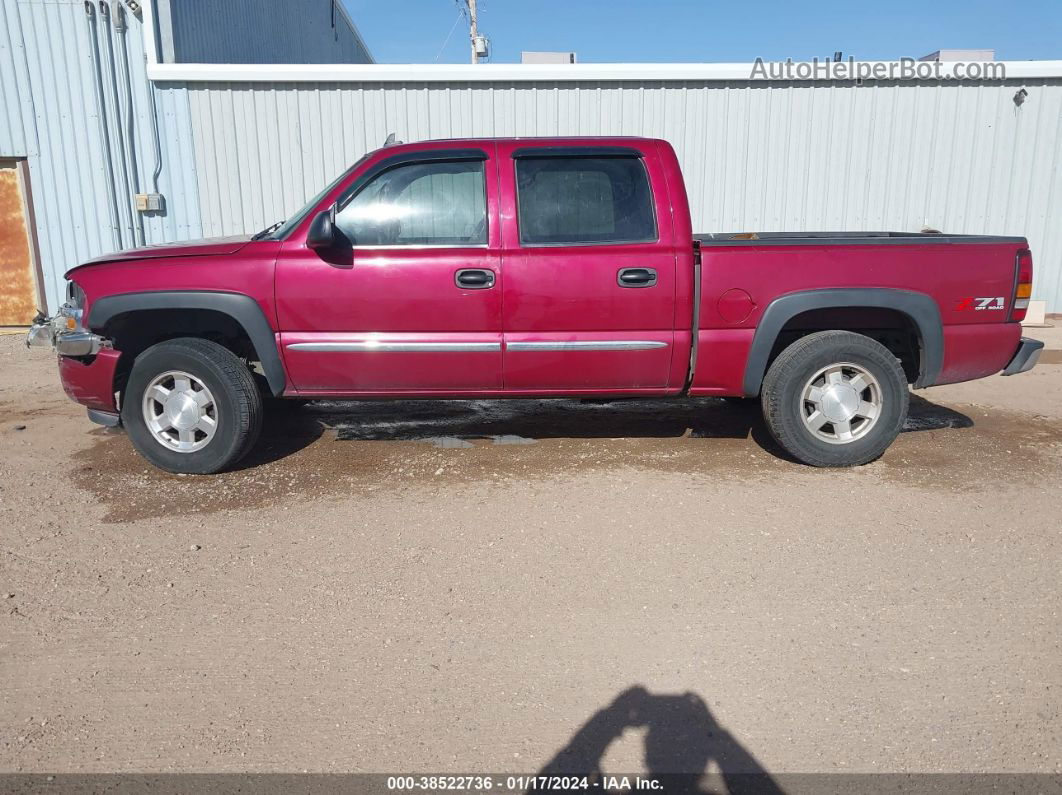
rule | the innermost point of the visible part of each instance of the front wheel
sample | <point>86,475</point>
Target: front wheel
<point>191,406</point>
<point>835,399</point>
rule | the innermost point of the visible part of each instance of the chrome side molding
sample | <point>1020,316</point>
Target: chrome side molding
<point>380,346</point>
<point>586,345</point>
<point>376,346</point>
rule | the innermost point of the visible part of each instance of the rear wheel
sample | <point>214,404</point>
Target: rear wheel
<point>191,406</point>
<point>835,398</point>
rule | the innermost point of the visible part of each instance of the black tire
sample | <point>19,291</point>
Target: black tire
<point>783,389</point>
<point>236,403</point>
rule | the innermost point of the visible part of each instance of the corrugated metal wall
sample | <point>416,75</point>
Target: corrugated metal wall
<point>52,118</point>
<point>17,128</point>
<point>762,156</point>
<point>245,31</point>
<point>757,156</point>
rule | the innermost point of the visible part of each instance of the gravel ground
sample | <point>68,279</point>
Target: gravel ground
<point>460,587</point>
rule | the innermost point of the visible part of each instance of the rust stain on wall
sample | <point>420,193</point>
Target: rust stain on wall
<point>17,294</point>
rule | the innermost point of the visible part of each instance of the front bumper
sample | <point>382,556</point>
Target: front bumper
<point>87,364</point>
<point>66,342</point>
<point>1025,358</point>
<point>90,381</point>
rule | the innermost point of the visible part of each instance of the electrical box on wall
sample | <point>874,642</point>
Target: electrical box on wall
<point>149,202</point>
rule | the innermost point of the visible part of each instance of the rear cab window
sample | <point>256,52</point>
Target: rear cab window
<point>584,200</point>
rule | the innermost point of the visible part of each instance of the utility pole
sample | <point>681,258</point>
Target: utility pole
<point>473,29</point>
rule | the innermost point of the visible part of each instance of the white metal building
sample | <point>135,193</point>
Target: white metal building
<point>244,145</point>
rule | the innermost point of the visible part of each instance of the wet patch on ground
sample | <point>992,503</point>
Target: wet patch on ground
<point>329,449</point>
<point>997,449</point>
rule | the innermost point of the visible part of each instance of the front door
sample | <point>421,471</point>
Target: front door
<point>589,269</point>
<point>415,304</point>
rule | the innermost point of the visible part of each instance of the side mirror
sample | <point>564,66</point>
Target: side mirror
<point>323,234</point>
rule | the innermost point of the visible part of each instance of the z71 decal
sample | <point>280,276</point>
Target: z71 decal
<point>978,304</point>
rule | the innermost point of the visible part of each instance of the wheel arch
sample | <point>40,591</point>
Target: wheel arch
<point>920,309</point>
<point>242,309</point>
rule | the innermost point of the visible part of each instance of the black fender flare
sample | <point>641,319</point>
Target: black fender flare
<point>919,307</point>
<point>241,308</point>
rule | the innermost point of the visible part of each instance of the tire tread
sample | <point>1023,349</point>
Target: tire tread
<point>794,365</point>
<point>236,377</point>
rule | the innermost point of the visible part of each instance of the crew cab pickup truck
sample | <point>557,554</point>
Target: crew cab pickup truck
<point>532,267</point>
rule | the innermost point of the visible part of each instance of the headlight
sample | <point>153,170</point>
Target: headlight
<point>71,312</point>
<point>75,296</point>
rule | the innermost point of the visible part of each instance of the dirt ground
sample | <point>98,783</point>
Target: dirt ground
<point>460,587</point>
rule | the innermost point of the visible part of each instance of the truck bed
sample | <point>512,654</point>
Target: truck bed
<point>744,273</point>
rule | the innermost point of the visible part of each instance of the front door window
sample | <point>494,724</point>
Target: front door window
<point>419,204</point>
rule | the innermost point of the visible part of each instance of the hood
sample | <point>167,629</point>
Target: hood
<point>214,246</point>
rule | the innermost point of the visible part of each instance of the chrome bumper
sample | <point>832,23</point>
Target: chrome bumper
<point>49,332</point>
<point>1026,357</point>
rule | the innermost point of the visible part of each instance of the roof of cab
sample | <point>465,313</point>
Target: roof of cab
<point>559,140</point>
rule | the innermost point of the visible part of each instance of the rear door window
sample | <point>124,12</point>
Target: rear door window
<point>584,200</point>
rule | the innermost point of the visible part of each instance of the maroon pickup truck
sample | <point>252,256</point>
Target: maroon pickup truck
<point>534,267</point>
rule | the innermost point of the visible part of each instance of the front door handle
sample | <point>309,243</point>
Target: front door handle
<point>474,278</point>
<point>636,277</point>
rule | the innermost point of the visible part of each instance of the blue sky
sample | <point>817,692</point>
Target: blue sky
<point>413,31</point>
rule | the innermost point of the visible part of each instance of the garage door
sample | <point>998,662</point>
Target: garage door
<point>18,294</point>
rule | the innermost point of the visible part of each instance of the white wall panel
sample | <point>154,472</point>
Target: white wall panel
<point>757,156</point>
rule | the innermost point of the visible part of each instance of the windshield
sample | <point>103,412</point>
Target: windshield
<point>284,229</point>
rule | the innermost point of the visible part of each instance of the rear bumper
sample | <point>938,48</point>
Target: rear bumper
<point>1025,357</point>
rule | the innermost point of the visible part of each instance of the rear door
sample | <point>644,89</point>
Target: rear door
<point>589,286</point>
<point>414,304</point>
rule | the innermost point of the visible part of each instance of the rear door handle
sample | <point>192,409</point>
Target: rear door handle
<point>636,277</point>
<point>474,278</point>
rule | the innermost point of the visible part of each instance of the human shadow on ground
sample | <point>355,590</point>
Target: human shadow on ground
<point>682,741</point>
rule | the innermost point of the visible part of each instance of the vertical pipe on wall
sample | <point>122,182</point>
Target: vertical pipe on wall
<point>101,115</point>
<point>121,27</point>
<point>123,150</point>
<point>155,137</point>
<point>147,23</point>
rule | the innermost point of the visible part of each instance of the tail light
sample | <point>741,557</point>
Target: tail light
<point>1023,275</point>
